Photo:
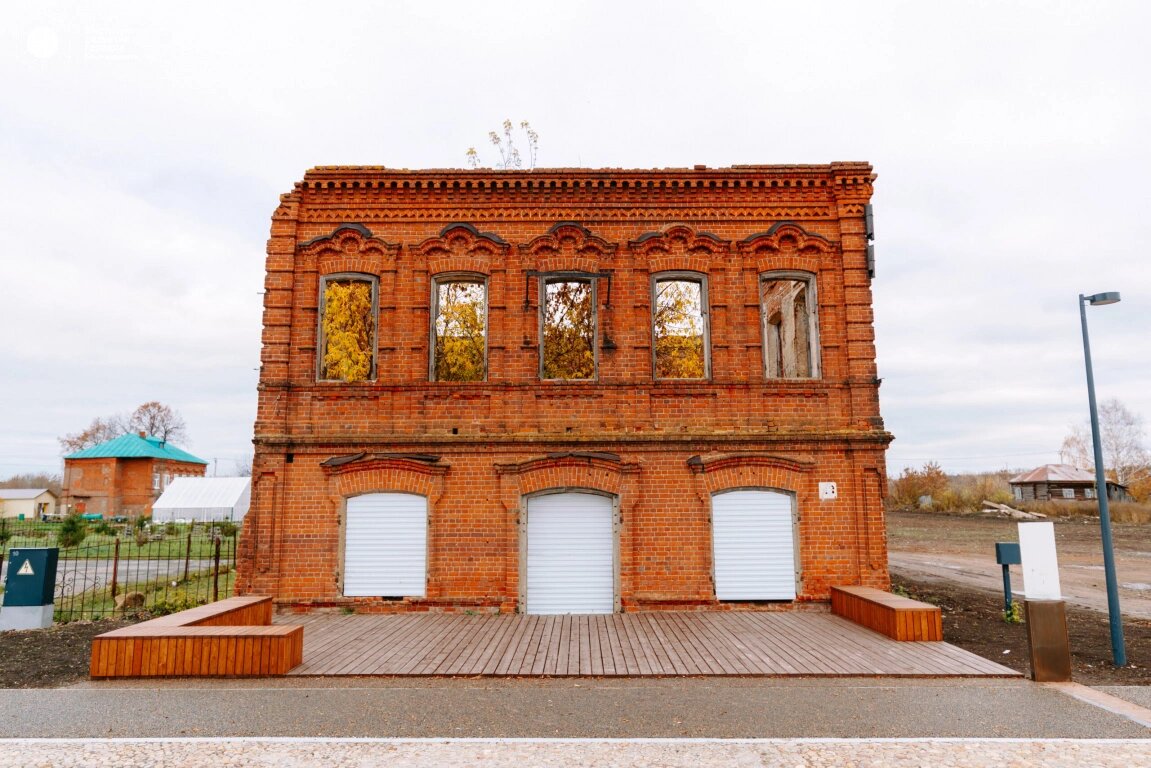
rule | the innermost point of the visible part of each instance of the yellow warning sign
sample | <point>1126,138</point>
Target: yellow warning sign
<point>26,569</point>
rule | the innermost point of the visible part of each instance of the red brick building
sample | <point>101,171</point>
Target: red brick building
<point>568,391</point>
<point>123,476</point>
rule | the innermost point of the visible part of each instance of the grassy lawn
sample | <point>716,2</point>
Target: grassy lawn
<point>160,597</point>
<point>157,542</point>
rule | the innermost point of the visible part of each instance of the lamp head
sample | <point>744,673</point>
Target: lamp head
<point>1102,299</point>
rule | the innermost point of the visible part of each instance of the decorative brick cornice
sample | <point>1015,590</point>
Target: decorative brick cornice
<point>452,210</point>
<point>374,193</point>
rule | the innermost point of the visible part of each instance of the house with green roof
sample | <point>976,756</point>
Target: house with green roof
<point>122,477</point>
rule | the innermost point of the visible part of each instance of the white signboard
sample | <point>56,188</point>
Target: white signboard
<point>1040,566</point>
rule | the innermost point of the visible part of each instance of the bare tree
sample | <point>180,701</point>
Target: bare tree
<point>152,418</point>
<point>33,480</point>
<point>1122,438</point>
<point>99,431</point>
<point>155,419</point>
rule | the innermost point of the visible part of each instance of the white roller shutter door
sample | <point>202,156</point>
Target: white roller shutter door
<point>570,557</point>
<point>386,546</point>
<point>753,542</point>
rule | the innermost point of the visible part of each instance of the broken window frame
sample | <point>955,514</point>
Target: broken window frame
<point>811,315</point>
<point>705,317</point>
<point>472,278</point>
<point>321,341</point>
<point>569,277</point>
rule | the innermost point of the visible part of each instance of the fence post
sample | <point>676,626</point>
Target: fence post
<point>216,573</point>
<point>188,554</point>
<point>115,567</point>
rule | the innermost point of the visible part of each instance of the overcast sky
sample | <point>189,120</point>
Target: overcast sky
<point>143,147</point>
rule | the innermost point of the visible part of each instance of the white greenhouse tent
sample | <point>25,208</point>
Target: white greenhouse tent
<point>203,499</point>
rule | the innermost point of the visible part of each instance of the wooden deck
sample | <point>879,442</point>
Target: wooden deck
<point>634,644</point>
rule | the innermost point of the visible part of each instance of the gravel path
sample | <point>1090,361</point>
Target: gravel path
<point>587,754</point>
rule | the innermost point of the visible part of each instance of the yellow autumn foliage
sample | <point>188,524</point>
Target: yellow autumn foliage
<point>460,329</point>
<point>348,330</point>
<point>569,331</point>
<point>678,330</point>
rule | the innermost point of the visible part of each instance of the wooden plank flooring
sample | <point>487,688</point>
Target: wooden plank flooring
<point>633,644</point>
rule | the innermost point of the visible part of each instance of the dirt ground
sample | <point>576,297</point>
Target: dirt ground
<point>949,561</point>
<point>946,560</point>
<point>50,658</point>
<point>961,548</point>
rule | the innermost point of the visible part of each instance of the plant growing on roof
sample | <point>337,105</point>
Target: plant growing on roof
<point>509,154</point>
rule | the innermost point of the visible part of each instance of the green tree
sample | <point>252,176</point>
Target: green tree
<point>348,330</point>
<point>72,531</point>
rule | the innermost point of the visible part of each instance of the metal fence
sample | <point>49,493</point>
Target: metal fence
<point>125,569</point>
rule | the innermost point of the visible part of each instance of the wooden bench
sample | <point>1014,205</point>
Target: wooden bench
<point>229,638</point>
<point>900,618</point>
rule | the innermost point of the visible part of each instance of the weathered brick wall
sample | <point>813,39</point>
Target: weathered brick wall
<point>113,487</point>
<point>493,436</point>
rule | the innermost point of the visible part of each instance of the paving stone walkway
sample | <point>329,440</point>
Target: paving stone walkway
<point>431,753</point>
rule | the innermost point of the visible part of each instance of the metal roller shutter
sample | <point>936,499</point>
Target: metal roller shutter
<point>386,546</point>
<point>753,542</point>
<point>570,558</point>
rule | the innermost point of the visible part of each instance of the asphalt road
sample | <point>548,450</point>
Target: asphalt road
<point>559,708</point>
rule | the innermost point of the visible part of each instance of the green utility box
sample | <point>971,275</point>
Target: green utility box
<point>31,576</point>
<point>29,588</point>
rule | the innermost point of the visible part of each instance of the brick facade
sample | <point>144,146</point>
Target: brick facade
<point>659,447</point>
<point>115,487</point>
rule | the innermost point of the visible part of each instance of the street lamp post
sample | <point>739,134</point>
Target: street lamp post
<point>1118,652</point>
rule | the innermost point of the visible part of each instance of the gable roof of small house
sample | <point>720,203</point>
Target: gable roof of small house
<point>136,447</point>
<point>1054,473</point>
<point>19,494</point>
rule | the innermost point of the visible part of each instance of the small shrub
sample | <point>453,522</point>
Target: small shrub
<point>140,523</point>
<point>1015,615</point>
<point>72,531</point>
<point>175,605</point>
<point>227,528</point>
<point>103,529</point>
